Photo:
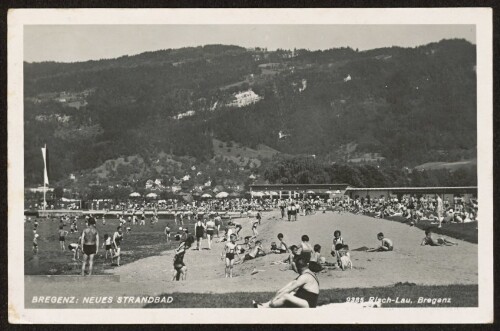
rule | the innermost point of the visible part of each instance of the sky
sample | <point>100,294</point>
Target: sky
<point>73,43</point>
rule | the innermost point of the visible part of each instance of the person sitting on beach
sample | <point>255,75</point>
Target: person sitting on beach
<point>428,240</point>
<point>305,248</point>
<point>245,247</point>
<point>274,248</point>
<point>255,252</point>
<point>292,258</point>
<point>302,292</point>
<point>315,261</point>
<point>282,247</point>
<point>338,241</point>
<point>385,244</point>
<point>344,257</point>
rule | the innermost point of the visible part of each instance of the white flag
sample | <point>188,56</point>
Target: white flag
<point>45,161</point>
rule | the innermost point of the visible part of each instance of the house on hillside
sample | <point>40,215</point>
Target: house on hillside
<point>245,98</point>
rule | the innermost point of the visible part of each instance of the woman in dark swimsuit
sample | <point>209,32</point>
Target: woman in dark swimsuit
<point>179,266</point>
<point>302,292</point>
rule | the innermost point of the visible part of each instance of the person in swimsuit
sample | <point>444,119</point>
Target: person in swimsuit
<point>428,240</point>
<point>302,292</point>
<point>254,229</point>
<point>210,228</point>
<point>338,242</point>
<point>259,217</point>
<point>35,243</point>
<point>75,248</point>
<point>199,231</point>
<point>385,244</point>
<point>230,249</point>
<point>167,232</point>
<point>180,269</point>
<point>218,223</point>
<point>245,247</point>
<point>255,252</point>
<point>282,247</point>
<point>117,241</point>
<point>238,228</point>
<point>306,249</point>
<point>62,238</point>
<point>108,247</point>
<point>90,245</point>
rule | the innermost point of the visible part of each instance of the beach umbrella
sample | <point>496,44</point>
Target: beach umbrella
<point>206,195</point>
<point>152,195</point>
<point>273,193</point>
<point>310,192</point>
<point>258,194</point>
<point>329,192</point>
<point>222,195</point>
<point>134,195</point>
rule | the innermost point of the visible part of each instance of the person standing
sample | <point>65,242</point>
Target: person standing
<point>439,209</point>
<point>210,232</point>
<point>117,241</point>
<point>62,238</point>
<point>90,245</point>
<point>199,231</point>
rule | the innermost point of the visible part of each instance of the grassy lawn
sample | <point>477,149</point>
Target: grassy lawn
<point>143,241</point>
<point>460,296</point>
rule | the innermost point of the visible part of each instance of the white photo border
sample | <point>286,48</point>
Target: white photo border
<point>480,17</point>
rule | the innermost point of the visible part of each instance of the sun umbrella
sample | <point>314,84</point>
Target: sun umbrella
<point>329,192</point>
<point>222,195</point>
<point>134,195</point>
<point>152,195</point>
<point>206,195</point>
<point>273,193</point>
<point>258,194</point>
<point>310,192</point>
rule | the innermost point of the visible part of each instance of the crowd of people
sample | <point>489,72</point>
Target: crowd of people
<point>212,224</point>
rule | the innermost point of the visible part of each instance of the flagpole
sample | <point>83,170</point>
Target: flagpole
<point>44,189</point>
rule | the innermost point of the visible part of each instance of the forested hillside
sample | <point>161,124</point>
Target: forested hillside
<point>392,107</point>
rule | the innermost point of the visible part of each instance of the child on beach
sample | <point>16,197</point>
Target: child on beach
<point>254,229</point>
<point>62,238</point>
<point>385,244</point>
<point>428,240</point>
<point>108,247</point>
<point>167,232</point>
<point>283,247</point>
<point>274,248</point>
<point>344,257</point>
<point>338,241</point>
<point>75,248</point>
<point>35,244</point>
<point>230,249</point>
